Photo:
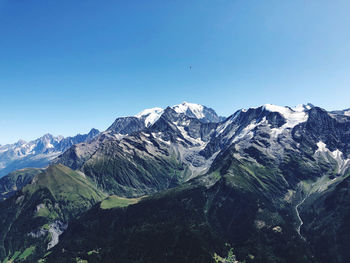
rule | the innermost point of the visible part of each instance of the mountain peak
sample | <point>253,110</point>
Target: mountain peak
<point>186,107</point>
<point>198,111</point>
<point>193,110</point>
<point>93,131</point>
<point>20,142</point>
<point>47,136</point>
<point>150,116</point>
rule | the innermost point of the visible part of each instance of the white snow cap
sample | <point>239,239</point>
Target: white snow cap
<point>196,109</point>
<point>151,115</point>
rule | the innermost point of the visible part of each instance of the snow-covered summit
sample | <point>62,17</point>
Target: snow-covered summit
<point>186,107</point>
<point>150,116</point>
<point>203,113</point>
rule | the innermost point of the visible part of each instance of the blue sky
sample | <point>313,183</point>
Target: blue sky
<point>67,66</point>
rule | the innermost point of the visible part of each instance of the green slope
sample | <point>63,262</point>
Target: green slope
<point>52,199</point>
<point>114,201</point>
<point>190,223</point>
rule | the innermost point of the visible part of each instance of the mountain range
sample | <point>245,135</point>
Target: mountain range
<point>37,153</point>
<point>266,184</point>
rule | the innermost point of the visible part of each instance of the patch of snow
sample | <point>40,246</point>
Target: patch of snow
<point>292,116</point>
<point>49,145</point>
<point>347,113</point>
<point>119,136</point>
<point>322,147</point>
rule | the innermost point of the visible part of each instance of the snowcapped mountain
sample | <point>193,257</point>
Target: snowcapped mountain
<point>273,172</point>
<point>37,153</point>
<point>193,110</point>
<point>200,112</point>
<point>147,117</point>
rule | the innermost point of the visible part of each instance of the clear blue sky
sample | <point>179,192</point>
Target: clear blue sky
<point>67,66</point>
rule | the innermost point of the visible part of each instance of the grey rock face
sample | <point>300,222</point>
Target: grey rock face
<point>127,125</point>
<point>55,229</point>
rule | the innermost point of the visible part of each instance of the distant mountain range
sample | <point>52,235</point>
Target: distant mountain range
<point>37,153</point>
<point>182,184</point>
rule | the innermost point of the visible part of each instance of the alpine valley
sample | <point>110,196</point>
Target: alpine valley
<point>182,184</point>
